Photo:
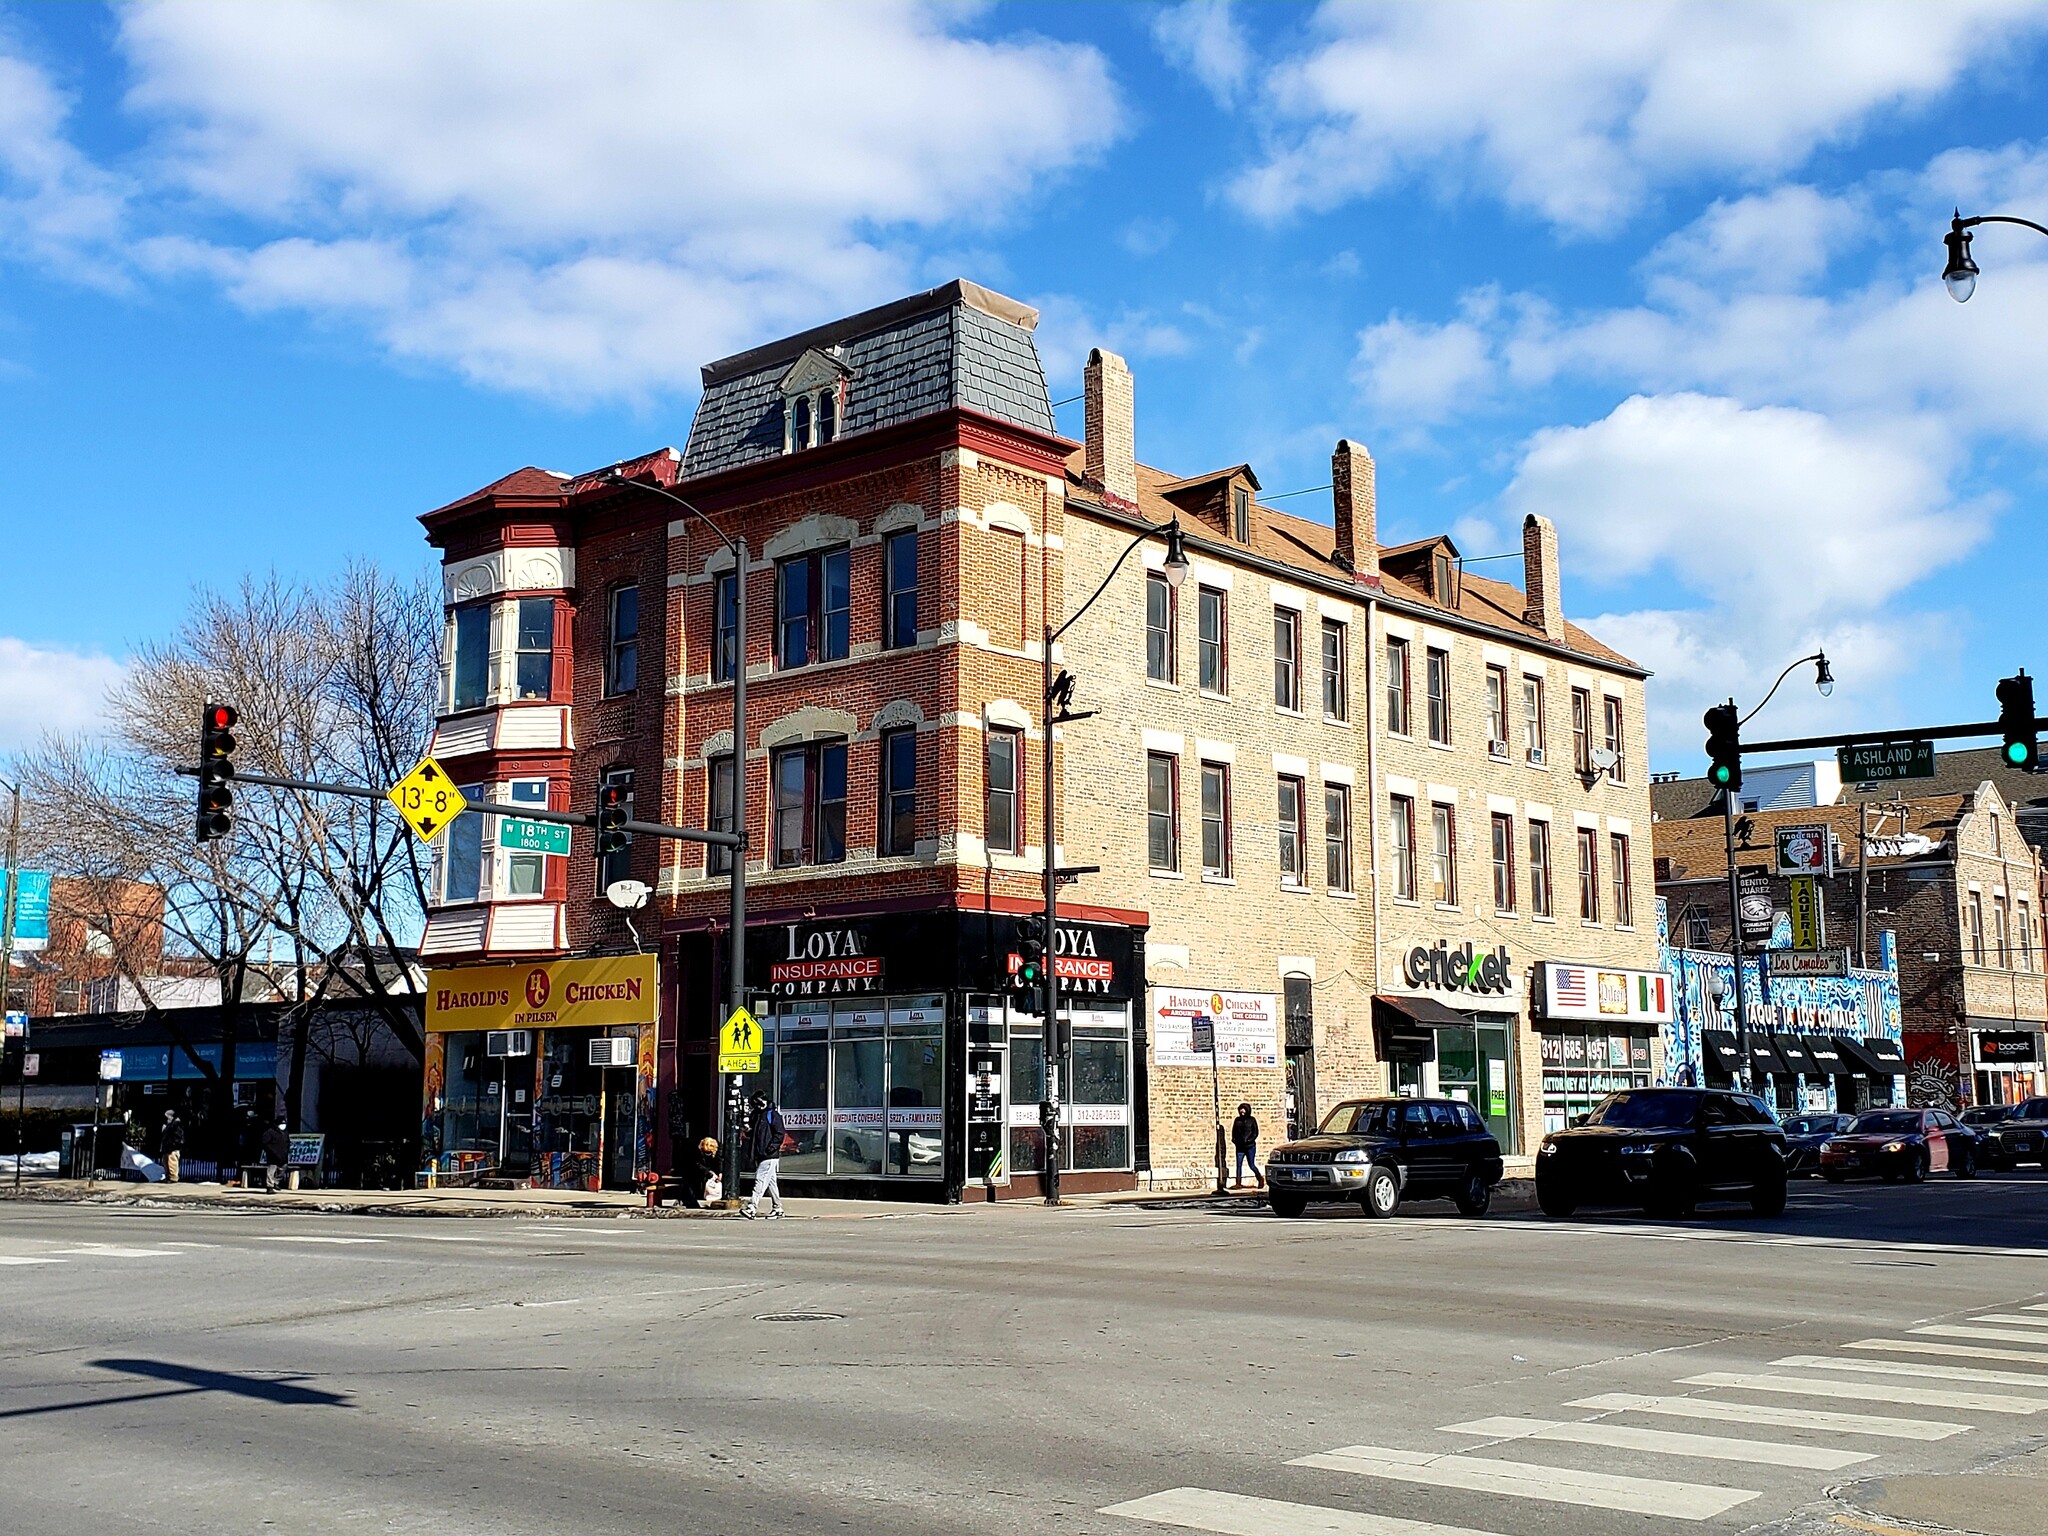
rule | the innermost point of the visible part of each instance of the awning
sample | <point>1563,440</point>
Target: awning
<point>1888,1054</point>
<point>1762,1056</point>
<point>1792,1051</point>
<point>1404,1028</point>
<point>1826,1055</point>
<point>1857,1058</point>
<point>1718,1045</point>
<point>1426,1011</point>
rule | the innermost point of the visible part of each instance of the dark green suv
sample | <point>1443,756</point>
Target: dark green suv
<point>1379,1152</point>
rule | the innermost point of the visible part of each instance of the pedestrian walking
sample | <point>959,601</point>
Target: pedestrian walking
<point>768,1135</point>
<point>171,1143</point>
<point>277,1152</point>
<point>1244,1135</point>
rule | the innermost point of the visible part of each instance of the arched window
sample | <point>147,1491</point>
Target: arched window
<point>800,422</point>
<point>828,416</point>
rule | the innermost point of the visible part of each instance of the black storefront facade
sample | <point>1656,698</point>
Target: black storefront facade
<point>902,1062</point>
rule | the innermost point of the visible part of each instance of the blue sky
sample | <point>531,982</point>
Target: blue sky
<point>275,280</point>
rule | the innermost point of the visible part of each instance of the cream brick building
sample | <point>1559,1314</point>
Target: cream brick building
<point>1320,762</point>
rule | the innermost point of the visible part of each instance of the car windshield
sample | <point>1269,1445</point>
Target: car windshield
<point>1984,1114</point>
<point>1888,1122</point>
<point>2033,1109</point>
<point>1355,1120</point>
<point>1811,1125</point>
<point>1646,1111</point>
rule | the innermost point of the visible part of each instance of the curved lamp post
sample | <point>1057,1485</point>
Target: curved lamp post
<point>1961,272</point>
<point>1824,680</point>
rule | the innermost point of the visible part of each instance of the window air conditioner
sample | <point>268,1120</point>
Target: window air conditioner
<point>509,1042</point>
<point>1497,750</point>
<point>1536,756</point>
<point>613,1051</point>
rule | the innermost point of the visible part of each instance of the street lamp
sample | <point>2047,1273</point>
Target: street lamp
<point>1961,272</point>
<point>736,949</point>
<point>1054,698</point>
<point>1824,682</point>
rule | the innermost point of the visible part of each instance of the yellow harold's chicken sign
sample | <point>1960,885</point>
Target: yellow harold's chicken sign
<point>545,994</point>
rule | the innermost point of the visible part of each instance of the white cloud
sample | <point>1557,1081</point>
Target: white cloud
<point>56,207</point>
<point>50,688</point>
<point>1146,237</point>
<point>1203,38</point>
<point>1577,112</point>
<point>592,199</point>
<point>1423,373</point>
<point>1068,327</point>
<point>1783,238</point>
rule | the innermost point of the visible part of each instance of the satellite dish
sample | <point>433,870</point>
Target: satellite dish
<point>1604,758</point>
<point>628,895</point>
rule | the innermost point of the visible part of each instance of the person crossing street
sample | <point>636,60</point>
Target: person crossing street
<point>767,1149</point>
<point>1244,1135</point>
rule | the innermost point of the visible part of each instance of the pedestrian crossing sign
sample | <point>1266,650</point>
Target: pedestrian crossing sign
<point>739,1043</point>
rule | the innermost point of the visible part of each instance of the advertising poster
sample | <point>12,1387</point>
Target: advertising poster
<point>1246,1025</point>
<point>30,897</point>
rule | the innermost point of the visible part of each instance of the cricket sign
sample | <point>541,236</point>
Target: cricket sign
<point>546,994</point>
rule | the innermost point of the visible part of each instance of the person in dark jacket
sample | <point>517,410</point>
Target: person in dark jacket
<point>701,1168</point>
<point>171,1143</point>
<point>767,1148</point>
<point>1244,1135</point>
<point>277,1152</point>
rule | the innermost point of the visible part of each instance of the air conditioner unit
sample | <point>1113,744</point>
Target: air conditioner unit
<point>613,1051</point>
<point>509,1042</point>
<point>1536,756</point>
<point>1497,750</point>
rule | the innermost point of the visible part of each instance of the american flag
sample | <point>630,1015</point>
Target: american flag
<point>1569,986</point>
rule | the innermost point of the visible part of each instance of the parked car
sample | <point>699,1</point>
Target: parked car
<point>1379,1152</point>
<point>1803,1137</point>
<point>2021,1137</point>
<point>1895,1144</point>
<point>1981,1117</point>
<point>1665,1150</point>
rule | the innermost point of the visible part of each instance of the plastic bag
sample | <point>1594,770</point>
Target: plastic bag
<point>714,1189</point>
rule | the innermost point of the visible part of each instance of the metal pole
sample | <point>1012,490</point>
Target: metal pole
<point>6,958</point>
<point>1745,1074</point>
<point>1863,885</point>
<point>1051,996</point>
<point>1216,1094</point>
<point>736,953</point>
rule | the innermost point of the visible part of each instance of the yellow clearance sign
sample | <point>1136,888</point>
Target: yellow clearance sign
<point>551,994</point>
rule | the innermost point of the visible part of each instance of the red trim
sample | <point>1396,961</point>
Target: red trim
<point>956,902</point>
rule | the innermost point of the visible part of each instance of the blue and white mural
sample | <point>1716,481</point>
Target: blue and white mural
<point>1865,1003</point>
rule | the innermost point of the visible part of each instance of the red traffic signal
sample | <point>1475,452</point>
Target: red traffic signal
<point>611,819</point>
<point>215,811</point>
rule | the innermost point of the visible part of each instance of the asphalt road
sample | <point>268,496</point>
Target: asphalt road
<point>1017,1370</point>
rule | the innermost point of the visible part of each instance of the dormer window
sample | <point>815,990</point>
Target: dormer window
<point>813,400</point>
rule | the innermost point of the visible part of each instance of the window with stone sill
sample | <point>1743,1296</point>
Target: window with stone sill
<point>811,419</point>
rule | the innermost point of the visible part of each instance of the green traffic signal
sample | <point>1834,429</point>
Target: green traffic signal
<point>2017,754</point>
<point>1721,775</point>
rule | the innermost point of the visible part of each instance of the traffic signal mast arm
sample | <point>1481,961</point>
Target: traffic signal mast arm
<point>493,808</point>
<point>1874,738</point>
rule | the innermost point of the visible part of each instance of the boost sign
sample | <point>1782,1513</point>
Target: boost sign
<point>558,994</point>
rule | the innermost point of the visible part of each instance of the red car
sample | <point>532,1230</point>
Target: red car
<point>1898,1144</point>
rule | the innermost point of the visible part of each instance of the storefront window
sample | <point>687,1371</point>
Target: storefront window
<point>571,1112</point>
<point>917,1096</point>
<point>857,1090</point>
<point>861,1085</point>
<point>1581,1070</point>
<point>1027,1092</point>
<point>1101,1095</point>
<point>803,1069</point>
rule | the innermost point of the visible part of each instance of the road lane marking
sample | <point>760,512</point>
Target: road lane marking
<point>1873,1391</point>
<point>1962,1331</point>
<point>1924,1371</point>
<point>296,1237</point>
<point>9,1258</point>
<point>1240,1514</point>
<point>2013,1317</point>
<point>1668,1442</point>
<point>1528,1480</point>
<point>1771,1413</point>
<point>1960,1351</point>
<point>112,1251</point>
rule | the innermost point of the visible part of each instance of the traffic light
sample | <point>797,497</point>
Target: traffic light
<point>216,810</point>
<point>2016,720</point>
<point>1724,747</point>
<point>1028,979</point>
<point>611,819</point>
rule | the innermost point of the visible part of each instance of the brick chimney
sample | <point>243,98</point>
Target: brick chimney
<point>1357,502</point>
<point>1111,456</point>
<point>1539,576</point>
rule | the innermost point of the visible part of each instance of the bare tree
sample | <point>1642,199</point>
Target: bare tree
<point>312,897</point>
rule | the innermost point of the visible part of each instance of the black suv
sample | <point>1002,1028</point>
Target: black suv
<point>1665,1150</point>
<point>2021,1137</point>
<point>1379,1152</point>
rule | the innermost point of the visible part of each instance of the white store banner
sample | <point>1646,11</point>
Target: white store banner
<point>1246,1024</point>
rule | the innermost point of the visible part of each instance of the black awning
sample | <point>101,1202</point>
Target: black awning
<point>1888,1054</point>
<point>1404,1028</point>
<point>1825,1052</point>
<point>1763,1057</point>
<point>1794,1054</point>
<point>1426,1011</point>
<point>1719,1047</point>
<point>1857,1058</point>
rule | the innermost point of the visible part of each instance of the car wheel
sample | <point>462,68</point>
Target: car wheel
<point>1672,1198</point>
<point>1767,1198</point>
<point>1382,1193</point>
<point>1833,1175</point>
<point>1286,1205</point>
<point>1962,1162</point>
<point>1476,1197</point>
<point>1554,1202</point>
<point>1918,1170</point>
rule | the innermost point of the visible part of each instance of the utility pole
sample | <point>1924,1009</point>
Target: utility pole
<point>1748,1077</point>
<point>736,950</point>
<point>1055,1056</point>
<point>1863,885</point>
<point>6,960</point>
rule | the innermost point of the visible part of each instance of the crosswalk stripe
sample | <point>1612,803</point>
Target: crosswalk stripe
<point>1722,1412</point>
<point>9,1258</point>
<point>112,1251</point>
<point>1964,1331</point>
<point>1628,1437</point>
<point>308,1238</point>
<point>1527,1480</point>
<point>1960,1351</point>
<point>2036,1306</point>
<point>1873,1391</point>
<point>1920,1369</point>
<point>2009,1318</point>
<point>1240,1514</point>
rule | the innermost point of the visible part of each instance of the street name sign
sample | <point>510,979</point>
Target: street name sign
<point>1883,761</point>
<point>739,1043</point>
<point>1789,964</point>
<point>518,835</point>
<point>427,799</point>
<point>1805,913</point>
